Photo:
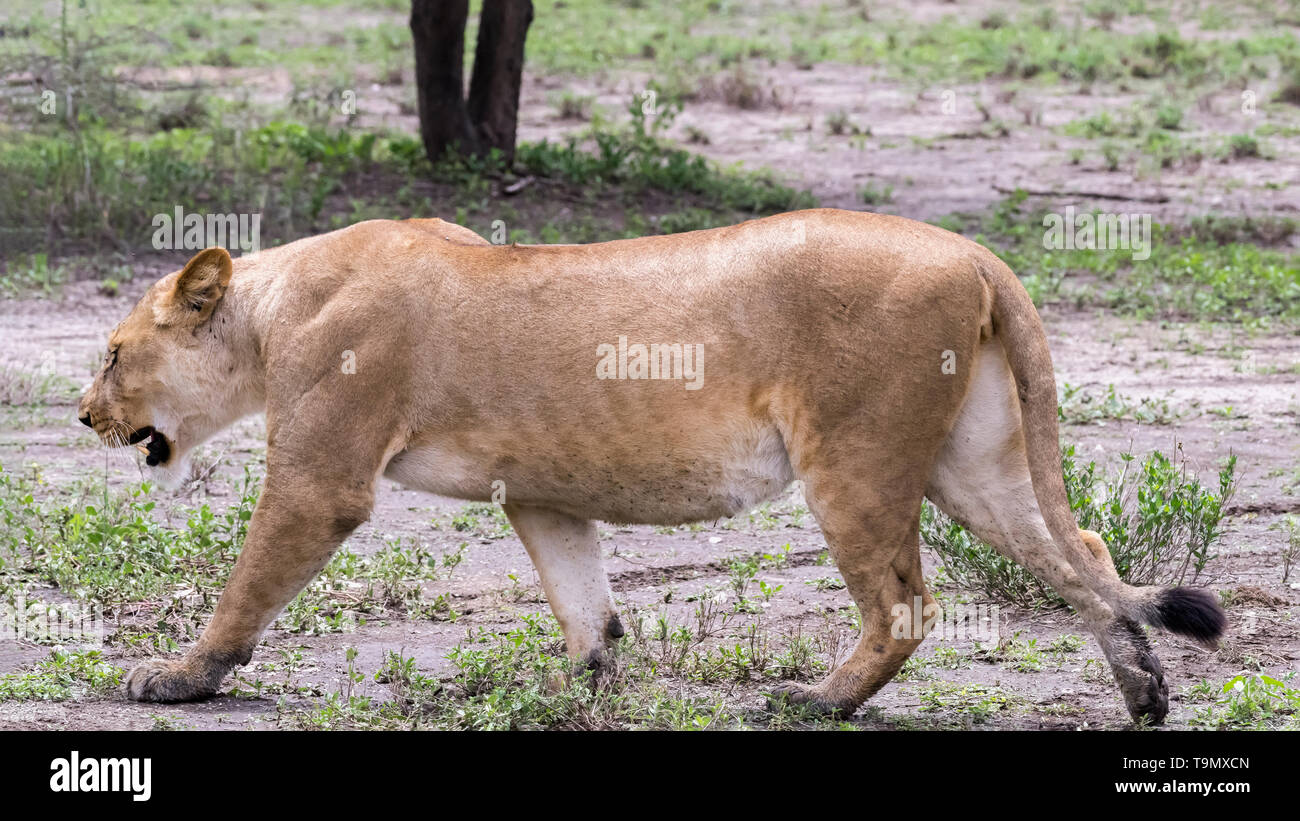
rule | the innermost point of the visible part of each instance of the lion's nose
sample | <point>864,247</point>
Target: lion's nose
<point>85,420</point>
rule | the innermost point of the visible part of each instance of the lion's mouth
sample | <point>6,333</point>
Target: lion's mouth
<point>156,450</point>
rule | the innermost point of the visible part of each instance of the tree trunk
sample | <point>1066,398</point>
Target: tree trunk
<point>498,73</point>
<point>438,30</point>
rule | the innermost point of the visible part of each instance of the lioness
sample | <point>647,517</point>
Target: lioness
<point>878,359</point>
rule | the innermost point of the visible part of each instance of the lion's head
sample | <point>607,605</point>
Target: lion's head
<point>172,375</point>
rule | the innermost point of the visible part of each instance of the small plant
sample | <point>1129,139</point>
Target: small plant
<point>1110,154</point>
<point>162,724</point>
<point>743,572</point>
<point>823,583</point>
<point>1253,701</point>
<point>1240,146</point>
<point>973,702</point>
<point>777,559</point>
<point>1169,116</point>
<point>873,195</point>
<point>1290,551</point>
<point>769,590</point>
<point>32,274</point>
<point>914,669</point>
<point>574,107</point>
<point>1022,655</point>
<point>1078,407</point>
<point>487,521</point>
<point>741,89</point>
<point>1202,690</point>
<point>763,518</point>
<point>1159,524</point>
<point>1096,672</point>
<point>838,124</point>
<point>949,658</point>
<point>22,387</point>
<point>1068,643</point>
<point>61,676</point>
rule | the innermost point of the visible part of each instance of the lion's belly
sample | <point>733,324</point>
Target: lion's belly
<point>707,476</point>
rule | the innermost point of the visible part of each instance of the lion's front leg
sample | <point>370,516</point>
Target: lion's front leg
<point>290,539</point>
<point>566,553</point>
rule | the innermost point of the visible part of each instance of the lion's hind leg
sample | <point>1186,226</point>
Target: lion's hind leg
<point>982,481</point>
<point>871,528</point>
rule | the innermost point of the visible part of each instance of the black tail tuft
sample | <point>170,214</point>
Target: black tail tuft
<point>1189,611</point>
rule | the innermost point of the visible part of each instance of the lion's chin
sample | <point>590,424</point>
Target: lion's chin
<point>171,474</point>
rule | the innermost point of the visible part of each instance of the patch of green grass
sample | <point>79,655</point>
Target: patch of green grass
<point>691,219</point>
<point>353,587</point>
<point>511,681</point>
<point>63,675</point>
<point>839,123</point>
<point>1021,655</point>
<point>1102,124</point>
<point>691,38</point>
<point>519,679</point>
<point>1241,146</point>
<point>31,274</point>
<point>914,669</point>
<point>98,184</point>
<point>166,724</point>
<point>637,158</point>
<point>947,657</point>
<point>1169,116</point>
<point>115,550</point>
<point>1224,229</point>
<point>95,173</point>
<point>1068,643</point>
<point>663,37</point>
<point>486,521</point>
<point>1165,150</point>
<point>103,184</point>
<point>41,387</point>
<point>1191,272</point>
<point>970,703</point>
<point>1252,701</point>
<point>1076,406</point>
<point>1144,127</point>
<point>871,194</point>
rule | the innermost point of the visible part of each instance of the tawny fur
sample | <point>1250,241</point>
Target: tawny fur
<point>876,358</point>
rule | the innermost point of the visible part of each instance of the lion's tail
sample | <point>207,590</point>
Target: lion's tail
<point>1191,612</point>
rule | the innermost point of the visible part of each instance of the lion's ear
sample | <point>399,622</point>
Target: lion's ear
<point>197,290</point>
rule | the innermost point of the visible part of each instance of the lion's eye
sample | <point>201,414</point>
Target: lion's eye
<point>111,359</point>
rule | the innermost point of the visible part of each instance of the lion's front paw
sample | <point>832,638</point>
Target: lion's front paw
<point>164,681</point>
<point>807,698</point>
<point>599,664</point>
